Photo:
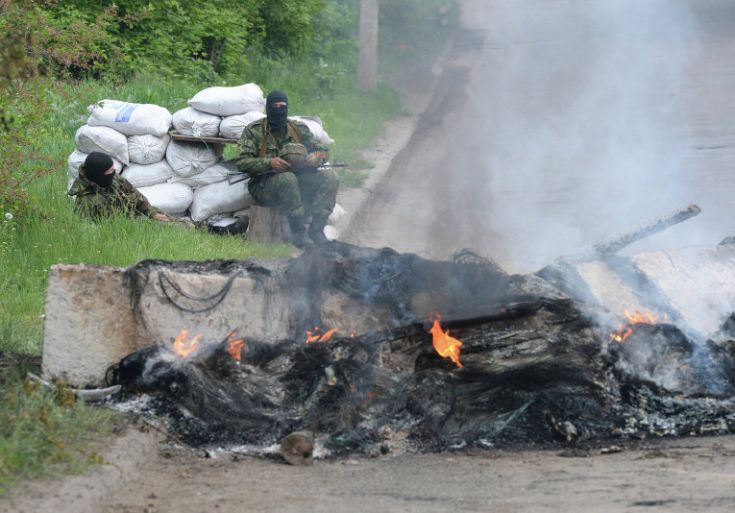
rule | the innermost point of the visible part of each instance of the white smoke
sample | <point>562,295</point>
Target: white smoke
<point>586,132</point>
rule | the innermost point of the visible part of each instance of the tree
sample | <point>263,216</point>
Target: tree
<point>367,74</point>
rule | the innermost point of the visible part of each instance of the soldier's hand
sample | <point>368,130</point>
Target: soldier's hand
<point>312,159</point>
<point>278,164</point>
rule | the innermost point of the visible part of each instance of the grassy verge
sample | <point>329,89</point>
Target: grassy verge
<point>46,431</point>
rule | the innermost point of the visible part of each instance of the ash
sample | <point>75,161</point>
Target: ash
<point>537,370</point>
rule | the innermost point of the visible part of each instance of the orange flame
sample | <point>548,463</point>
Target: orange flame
<point>234,346</point>
<point>184,347</point>
<point>446,346</point>
<point>634,318</point>
<point>316,335</point>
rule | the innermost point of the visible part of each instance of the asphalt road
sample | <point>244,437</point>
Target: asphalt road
<point>559,123</point>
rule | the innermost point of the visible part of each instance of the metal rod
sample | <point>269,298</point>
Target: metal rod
<point>615,244</point>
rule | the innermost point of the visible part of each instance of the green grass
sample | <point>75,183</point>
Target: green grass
<point>46,431</point>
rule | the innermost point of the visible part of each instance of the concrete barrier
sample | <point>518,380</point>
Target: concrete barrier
<point>97,315</point>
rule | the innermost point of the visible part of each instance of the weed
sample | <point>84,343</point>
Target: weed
<point>43,430</point>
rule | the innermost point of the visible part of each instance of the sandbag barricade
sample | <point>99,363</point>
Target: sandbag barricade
<point>182,178</point>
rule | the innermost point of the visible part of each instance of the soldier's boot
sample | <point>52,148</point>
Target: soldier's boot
<point>316,230</point>
<point>299,238</point>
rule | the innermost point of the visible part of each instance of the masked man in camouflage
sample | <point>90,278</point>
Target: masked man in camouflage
<point>283,161</point>
<point>100,193</point>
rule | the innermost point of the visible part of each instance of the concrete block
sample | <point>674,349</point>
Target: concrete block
<point>88,322</point>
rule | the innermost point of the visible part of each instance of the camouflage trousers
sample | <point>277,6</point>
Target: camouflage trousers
<point>310,193</point>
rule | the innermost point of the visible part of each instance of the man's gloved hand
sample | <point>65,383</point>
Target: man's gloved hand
<point>315,158</point>
<point>278,164</point>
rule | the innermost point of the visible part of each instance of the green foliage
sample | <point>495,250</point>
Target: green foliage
<point>52,39</point>
<point>288,25</point>
<point>17,166</point>
<point>42,427</point>
<point>412,31</point>
<point>195,38</point>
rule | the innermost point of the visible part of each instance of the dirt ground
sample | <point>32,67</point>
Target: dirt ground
<point>684,475</point>
<point>538,105</point>
<point>147,475</point>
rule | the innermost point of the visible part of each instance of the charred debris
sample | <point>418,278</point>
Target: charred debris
<point>535,365</point>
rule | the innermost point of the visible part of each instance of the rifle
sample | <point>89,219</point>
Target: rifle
<point>238,176</point>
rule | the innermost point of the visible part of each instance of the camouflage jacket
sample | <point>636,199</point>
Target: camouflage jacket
<point>254,157</point>
<point>95,202</point>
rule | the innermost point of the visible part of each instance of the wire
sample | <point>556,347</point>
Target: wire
<point>163,278</point>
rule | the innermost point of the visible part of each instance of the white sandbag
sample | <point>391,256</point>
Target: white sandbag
<point>331,233</point>
<point>77,158</point>
<point>220,198</point>
<point>233,126</point>
<point>130,118</point>
<point>147,149</point>
<point>227,101</point>
<point>145,175</point>
<point>104,139</point>
<point>169,197</point>
<point>214,174</point>
<point>190,121</point>
<point>315,127</point>
<point>337,213</point>
<point>188,159</point>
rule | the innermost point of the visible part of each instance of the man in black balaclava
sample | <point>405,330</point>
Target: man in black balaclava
<point>101,193</point>
<point>276,109</point>
<point>302,191</point>
<point>100,169</point>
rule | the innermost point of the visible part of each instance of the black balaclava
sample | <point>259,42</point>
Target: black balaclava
<point>277,116</point>
<point>95,166</point>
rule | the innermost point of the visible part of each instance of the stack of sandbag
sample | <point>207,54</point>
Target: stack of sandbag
<point>136,137</point>
<point>221,111</point>
<point>195,164</point>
